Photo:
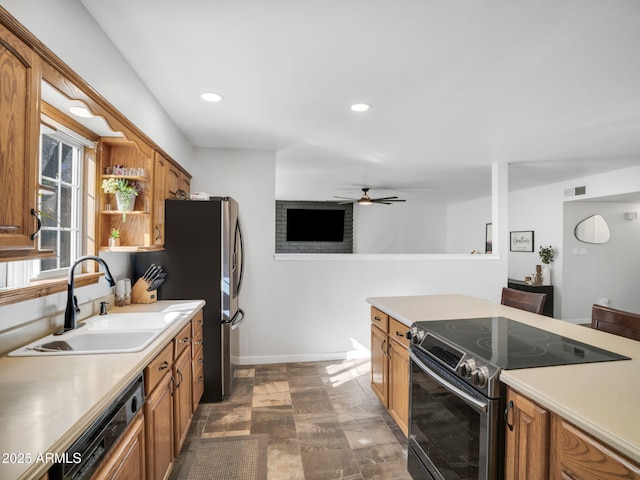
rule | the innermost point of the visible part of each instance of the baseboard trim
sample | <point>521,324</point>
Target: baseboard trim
<point>311,357</point>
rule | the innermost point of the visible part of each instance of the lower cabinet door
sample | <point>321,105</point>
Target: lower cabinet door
<point>182,399</point>
<point>379,363</point>
<point>399,385</point>
<point>158,412</point>
<point>527,439</point>
<point>127,459</point>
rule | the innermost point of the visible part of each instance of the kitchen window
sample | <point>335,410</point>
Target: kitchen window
<point>59,201</point>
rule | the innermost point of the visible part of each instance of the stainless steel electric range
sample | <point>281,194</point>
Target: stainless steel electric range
<point>456,404</point>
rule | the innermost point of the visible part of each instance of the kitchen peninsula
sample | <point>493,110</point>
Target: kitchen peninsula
<point>600,399</point>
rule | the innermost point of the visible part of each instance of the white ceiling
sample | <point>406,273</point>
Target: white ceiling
<point>550,85</point>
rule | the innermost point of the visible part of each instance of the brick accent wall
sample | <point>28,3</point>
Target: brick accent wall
<point>282,246</point>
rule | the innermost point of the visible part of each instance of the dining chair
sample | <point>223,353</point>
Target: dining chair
<point>618,322</point>
<point>529,301</point>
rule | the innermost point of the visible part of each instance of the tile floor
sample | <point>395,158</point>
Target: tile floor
<point>322,420</point>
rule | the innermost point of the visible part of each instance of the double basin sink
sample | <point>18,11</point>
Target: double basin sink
<point>110,333</point>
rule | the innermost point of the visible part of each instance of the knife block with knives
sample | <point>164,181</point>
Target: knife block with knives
<point>141,294</point>
<point>145,289</point>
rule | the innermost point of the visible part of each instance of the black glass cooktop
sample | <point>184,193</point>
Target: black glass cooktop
<point>509,344</point>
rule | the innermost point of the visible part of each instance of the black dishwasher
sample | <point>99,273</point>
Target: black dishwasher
<point>83,458</point>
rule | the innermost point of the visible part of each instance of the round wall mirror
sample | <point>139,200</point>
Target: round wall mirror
<point>593,230</point>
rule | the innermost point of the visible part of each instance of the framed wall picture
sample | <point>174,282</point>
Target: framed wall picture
<point>521,241</point>
<point>488,239</point>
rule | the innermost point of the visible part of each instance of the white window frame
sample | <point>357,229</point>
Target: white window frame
<point>78,143</point>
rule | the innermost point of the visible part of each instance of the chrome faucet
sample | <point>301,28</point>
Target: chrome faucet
<point>72,310</point>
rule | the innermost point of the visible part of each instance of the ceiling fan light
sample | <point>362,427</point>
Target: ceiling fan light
<point>364,201</point>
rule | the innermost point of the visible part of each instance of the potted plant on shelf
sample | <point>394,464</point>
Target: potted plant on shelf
<point>125,194</point>
<point>547,255</point>
<point>114,237</point>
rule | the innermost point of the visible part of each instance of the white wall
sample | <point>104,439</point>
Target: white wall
<point>608,270</point>
<point>314,307</point>
<point>411,227</point>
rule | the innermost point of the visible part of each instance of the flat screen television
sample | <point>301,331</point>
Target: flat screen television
<point>315,225</point>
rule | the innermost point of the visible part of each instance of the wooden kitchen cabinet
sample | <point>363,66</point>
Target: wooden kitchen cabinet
<point>185,183</point>
<point>19,144</point>
<point>127,458</point>
<point>171,404</point>
<point>543,445</point>
<point>379,354</point>
<point>390,366</point>
<point>578,456</point>
<point>176,179</point>
<point>398,374</point>
<point>159,180</point>
<point>197,360</point>
<point>158,411</point>
<point>136,231</point>
<point>182,409</point>
<point>172,181</point>
<point>526,439</point>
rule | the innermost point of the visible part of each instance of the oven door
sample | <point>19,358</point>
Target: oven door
<point>454,430</point>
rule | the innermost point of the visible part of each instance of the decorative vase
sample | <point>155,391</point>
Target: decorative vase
<point>537,277</point>
<point>125,201</point>
<point>114,242</point>
<point>546,274</point>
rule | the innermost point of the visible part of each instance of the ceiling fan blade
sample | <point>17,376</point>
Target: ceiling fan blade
<point>384,198</point>
<point>344,203</point>
<point>346,198</point>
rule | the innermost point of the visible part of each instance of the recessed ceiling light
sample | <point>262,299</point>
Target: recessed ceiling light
<point>360,107</point>
<point>211,97</point>
<point>81,112</point>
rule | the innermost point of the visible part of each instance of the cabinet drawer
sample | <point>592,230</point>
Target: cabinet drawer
<point>380,319</point>
<point>157,368</point>
<point>196,342</point>
<point>196,324</point>
<point>397,331</point>
<point>198,382</point>
<point>182,340</point>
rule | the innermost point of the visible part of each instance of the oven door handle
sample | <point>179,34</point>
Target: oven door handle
<point>482,406</point>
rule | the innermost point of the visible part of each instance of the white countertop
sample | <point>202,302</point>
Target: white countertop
<point>601,398</point>
<point>47,402</point>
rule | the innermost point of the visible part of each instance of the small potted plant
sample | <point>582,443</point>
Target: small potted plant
<point>124,192</point>
<point>114,237</point>
<point>547,254</point>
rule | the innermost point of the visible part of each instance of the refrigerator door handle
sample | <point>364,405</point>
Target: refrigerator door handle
<point>237,319</point>
<point>240,238</point>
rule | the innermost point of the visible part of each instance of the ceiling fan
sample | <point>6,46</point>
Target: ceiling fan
<point>366,200</point>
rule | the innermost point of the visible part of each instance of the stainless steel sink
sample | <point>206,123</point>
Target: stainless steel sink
<point>111,333</point>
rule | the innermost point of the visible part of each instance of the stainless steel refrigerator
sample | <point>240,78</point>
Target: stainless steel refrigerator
<point>204,259</point>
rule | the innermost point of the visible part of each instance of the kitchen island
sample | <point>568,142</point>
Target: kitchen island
<point>602,399</point>
<point>47,402</point>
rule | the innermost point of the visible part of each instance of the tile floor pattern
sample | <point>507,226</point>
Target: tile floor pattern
<point>322,420</point>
